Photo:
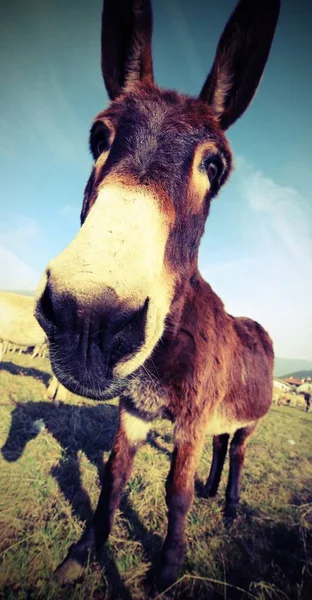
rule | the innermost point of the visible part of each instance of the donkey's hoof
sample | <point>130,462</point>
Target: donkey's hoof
<point>199,488</point>
<point>68,571</point>
<point>230,515</point>
<point>204,491</point>
<point>167,578</point>
<point>210,491</point>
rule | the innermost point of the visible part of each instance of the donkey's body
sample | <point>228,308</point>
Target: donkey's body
<point>17,322</point>
<point>227,362</point>
<point>125,307</point>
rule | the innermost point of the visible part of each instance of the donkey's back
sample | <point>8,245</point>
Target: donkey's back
<point>17,322</point>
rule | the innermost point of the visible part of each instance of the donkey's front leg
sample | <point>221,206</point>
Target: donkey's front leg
<point>132,431</point>
<point>179,495</point>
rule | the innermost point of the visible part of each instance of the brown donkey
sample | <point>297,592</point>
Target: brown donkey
<point>124,306</point>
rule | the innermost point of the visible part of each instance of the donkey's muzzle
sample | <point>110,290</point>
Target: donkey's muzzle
<point>87,339</point>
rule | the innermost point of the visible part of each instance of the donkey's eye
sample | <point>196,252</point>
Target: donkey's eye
<point>101,146</point>
<point>213,169</point>
<point>99,139</point>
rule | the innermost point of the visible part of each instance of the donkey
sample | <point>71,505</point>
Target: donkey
<point>306,390</point>
<point>124,306</point>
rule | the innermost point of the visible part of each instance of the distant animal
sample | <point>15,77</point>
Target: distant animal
<point>306,390</point>
<point>19,328</point>
<point>124,305</point>
<point>17,322</point>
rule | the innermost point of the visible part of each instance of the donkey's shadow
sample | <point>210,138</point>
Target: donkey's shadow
<point>15,369</point>
<point>90,429</point>
<point>76,428</point>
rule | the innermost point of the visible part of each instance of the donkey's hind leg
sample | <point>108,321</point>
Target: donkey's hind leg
<point>220,444</point>
<point>237,455</point>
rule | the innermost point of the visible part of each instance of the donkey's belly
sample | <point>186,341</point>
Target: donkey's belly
<point>220,423</point>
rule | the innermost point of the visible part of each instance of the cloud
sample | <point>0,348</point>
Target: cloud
<point>20,234</point>
<point>21,245</point>
<point>16,274</point>
<point>282,209</point>
<point>273,283</point>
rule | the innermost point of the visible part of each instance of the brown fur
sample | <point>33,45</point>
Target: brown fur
<point>207,371</point>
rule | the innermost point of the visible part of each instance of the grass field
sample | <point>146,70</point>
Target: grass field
<point>50,464</point>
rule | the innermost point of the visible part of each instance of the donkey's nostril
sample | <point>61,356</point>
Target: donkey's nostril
<point>45,312</point>
<point>131,319</point>
<point>130,334</point>
<point>93,336</point>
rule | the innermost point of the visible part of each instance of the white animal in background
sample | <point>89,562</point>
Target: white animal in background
<point>17,322</point>
<point>19,328</point>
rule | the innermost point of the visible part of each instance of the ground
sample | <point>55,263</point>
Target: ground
<point>51,462</point>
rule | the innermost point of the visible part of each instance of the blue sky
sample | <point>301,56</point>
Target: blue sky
<point>257,248</point>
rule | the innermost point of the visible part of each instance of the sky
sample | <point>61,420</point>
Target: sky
<point>257,248</point>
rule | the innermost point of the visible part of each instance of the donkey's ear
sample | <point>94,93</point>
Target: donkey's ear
<point>126,44</point>
<point>241,56</point>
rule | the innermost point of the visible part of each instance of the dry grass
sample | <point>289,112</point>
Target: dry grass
<point>50,464</point>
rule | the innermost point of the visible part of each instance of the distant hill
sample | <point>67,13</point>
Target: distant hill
<point>298,374</point>
<point>284,367</point>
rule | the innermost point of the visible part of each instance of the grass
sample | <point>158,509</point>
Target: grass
<point>51,462</point>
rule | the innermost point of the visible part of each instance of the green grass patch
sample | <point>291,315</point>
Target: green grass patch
<point>51,463</point>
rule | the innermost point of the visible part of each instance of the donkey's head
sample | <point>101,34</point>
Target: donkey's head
<point>159,159</point>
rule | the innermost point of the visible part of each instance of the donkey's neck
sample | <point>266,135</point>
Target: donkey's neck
<point>194,327</point>
<point>188,353</point>
<point>194,309</point>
